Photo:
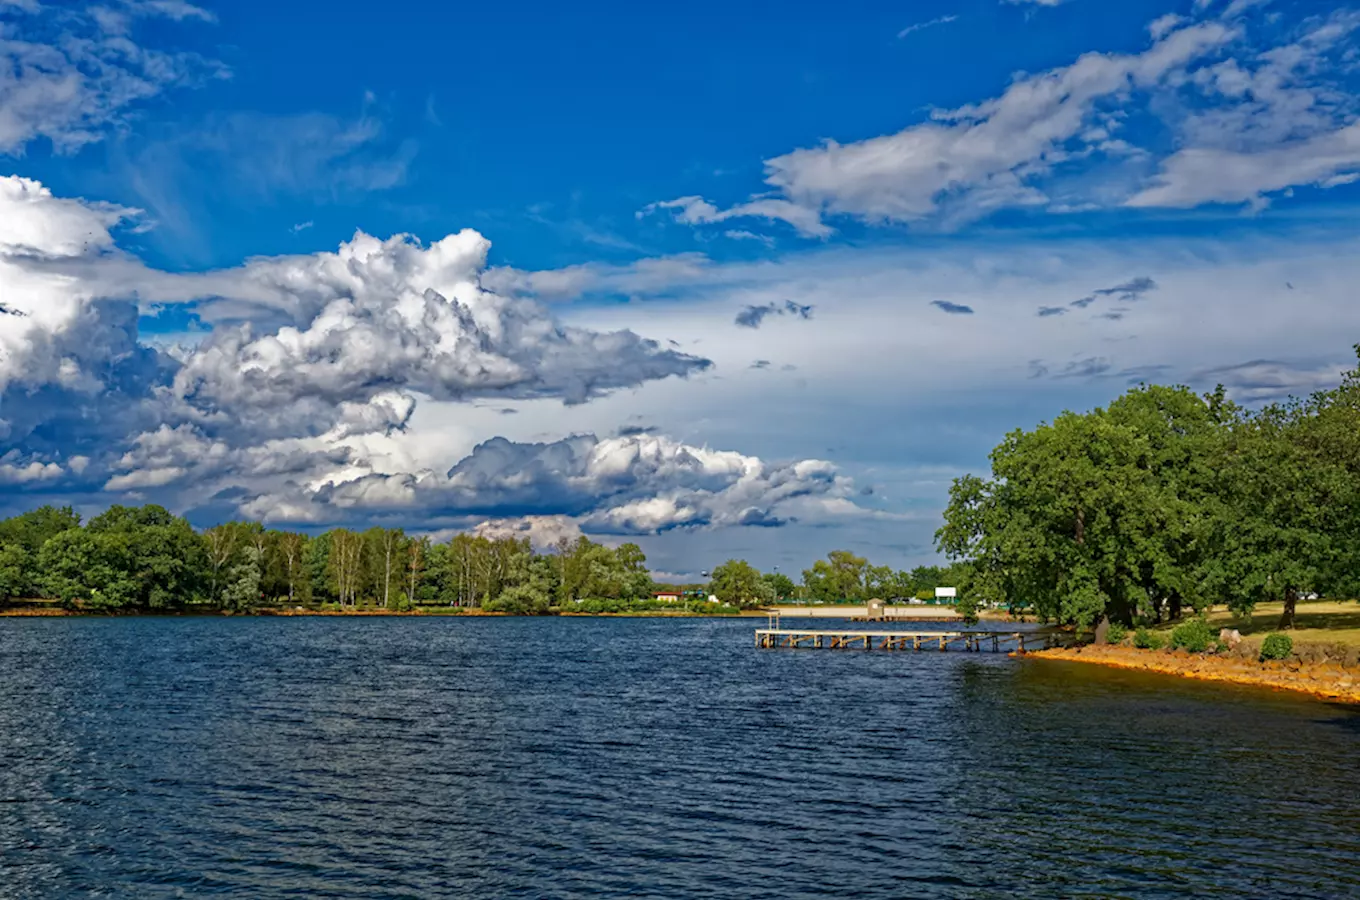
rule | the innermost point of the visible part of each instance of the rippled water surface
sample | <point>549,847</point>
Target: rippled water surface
<point>427,757</point>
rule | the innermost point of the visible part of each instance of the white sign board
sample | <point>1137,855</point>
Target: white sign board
<point>941,593</point>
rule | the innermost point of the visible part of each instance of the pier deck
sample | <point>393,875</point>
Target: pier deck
<point>857,638</point>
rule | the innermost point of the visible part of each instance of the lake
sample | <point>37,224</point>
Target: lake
<point>441,757</point>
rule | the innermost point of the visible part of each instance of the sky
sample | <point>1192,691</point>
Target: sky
<point>728,280</point>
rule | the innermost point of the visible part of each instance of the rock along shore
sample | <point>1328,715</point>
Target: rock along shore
<point>1328,679</point>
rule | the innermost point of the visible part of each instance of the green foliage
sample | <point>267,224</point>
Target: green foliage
<point>21,538</point>
<point>15,569</point>
<point>1163,501</point>
<point>1147,640</point>
<point>739,583</point>
<point>781,585</point>
<point>521,600</point>
<point>1116,633</point>
<point>839,577</point>
<point>126,558</point>
<point>1194,635</point>
<point>1276,646</point>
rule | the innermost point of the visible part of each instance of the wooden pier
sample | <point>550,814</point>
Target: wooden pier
<point>858,639</point>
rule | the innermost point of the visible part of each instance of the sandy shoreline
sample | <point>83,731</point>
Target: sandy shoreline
<point>1327,680</point>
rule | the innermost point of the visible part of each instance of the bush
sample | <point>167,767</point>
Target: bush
<point>1195,636</point>
<point>1277,646</point>
<point>1116,633</point>
<point>1147,640</point>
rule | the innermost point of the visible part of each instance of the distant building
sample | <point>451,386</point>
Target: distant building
<point>875,609</point>
<point>668,596</point>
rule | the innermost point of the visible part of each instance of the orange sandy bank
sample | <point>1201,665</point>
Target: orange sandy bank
<point>1328,680</point>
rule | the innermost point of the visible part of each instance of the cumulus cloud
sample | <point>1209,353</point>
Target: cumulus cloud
<point>69,74</point>
<point>309,357</point>
<point>629,484</point>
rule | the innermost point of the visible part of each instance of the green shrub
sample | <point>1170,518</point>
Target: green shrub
<point>1221,646</point>
<point>1116,633</point>
<point>1277,646</point>
<point>1147,640</point>
<point>1195,636</point>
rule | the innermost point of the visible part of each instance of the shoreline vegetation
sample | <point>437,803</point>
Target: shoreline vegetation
<point>1173,517</point>
<point>147,560</point>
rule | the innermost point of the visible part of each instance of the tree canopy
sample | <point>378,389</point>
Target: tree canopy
<point>1166,500</point>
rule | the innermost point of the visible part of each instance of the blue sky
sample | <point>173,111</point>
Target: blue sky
<point>794,267</point>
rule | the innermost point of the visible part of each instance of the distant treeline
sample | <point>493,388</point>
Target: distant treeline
<point>1166,501</point>
<point>147,559</point>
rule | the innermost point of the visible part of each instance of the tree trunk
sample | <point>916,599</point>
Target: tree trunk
<point>1081,526</point>
<point>1291,601</point>
<point>1175,601</point>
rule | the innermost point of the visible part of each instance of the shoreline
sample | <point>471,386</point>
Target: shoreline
<point>1326,680</point>
<point>55,612</point>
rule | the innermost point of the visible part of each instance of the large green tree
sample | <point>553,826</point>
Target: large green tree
<point>128,558</point>
<point>738,583</point>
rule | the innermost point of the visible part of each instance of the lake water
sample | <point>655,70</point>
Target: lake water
<point>410,757</point>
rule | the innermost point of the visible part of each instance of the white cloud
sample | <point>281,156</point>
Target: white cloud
<point>920,26</point>
<point>80,72</point>
<point>643,276</point>
<point>633,484</point>
<point>1250,108</point>
<point>1161,27</point>
<point>698,211</point>
<point>977,158</point>
<point>1271,121</point>
<point>1196,176</point>
<point>962,164</point>
<point>738,234</point>
<point>314,357</point>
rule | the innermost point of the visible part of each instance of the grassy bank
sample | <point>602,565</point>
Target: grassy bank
<point>1315,622</point>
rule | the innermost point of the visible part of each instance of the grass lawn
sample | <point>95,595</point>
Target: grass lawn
<point>1315,622</point>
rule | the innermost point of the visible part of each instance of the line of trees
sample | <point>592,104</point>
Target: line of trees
<point>1166,502</point>
<point>842,577</point>
<point>145,558</point>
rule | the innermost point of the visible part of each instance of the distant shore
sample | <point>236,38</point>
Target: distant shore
<point>1328,679</point>
<point>427,612</point>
